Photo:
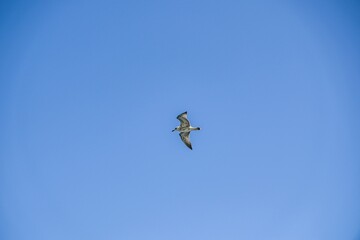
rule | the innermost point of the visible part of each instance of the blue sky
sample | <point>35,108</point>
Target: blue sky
<point>90,91</point>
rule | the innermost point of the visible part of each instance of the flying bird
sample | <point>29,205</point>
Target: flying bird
<point>185,128</point>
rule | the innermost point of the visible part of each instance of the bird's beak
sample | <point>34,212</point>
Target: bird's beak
<point>173,130</point>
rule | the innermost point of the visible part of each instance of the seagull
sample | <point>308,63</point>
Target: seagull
<point>185,128</point>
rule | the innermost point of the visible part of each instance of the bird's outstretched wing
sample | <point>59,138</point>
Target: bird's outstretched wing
<point>184,122</point>
<point>185,137</point>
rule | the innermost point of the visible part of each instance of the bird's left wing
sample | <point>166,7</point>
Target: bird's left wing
<point>183,120</point>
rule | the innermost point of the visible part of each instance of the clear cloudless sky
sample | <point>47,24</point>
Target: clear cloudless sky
<point>90,91</point>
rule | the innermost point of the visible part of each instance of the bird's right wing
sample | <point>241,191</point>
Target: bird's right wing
<point>184,122</point>
<point>185,137</point>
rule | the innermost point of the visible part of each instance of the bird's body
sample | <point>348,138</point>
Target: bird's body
<point>185,128</point>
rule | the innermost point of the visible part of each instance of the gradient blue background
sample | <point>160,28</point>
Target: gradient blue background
<point>90,91</point>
